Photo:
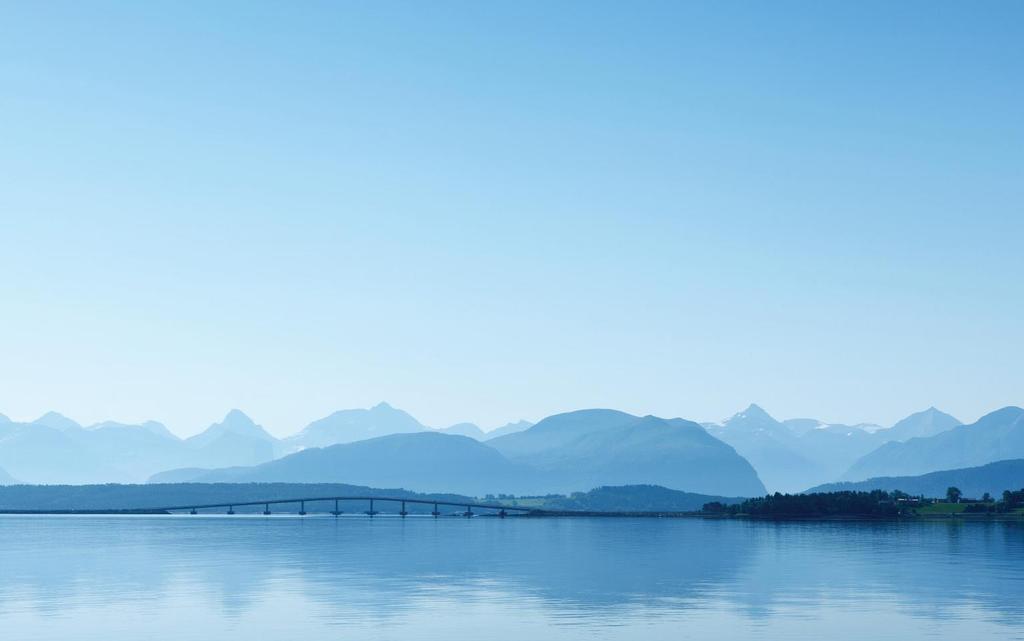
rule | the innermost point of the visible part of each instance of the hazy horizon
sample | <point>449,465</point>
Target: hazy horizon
<point>486,213</point>
<point>281,431</point>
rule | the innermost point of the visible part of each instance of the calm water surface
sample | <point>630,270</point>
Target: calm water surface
<point>245,577</point>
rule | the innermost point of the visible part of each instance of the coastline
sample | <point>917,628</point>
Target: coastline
<point>980,517</point>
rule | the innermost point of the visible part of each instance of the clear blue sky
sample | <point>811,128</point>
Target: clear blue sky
<point>487,211</point>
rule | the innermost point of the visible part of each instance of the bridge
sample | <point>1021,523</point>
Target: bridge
<point>495,509</point>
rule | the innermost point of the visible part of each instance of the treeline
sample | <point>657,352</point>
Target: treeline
<point>1011,501</point>
<point>876,503</point>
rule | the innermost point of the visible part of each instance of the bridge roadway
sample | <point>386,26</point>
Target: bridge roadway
<point>498,509</point>
<point>501,510</point>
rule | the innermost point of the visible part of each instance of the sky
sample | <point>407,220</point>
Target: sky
<point>492,211</point>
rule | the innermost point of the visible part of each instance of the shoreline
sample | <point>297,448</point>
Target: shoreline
<point>1003,517</point>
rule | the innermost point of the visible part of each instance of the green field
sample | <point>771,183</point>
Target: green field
<point>941,508</point>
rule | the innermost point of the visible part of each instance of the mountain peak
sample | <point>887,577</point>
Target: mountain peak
<point>1003,414</point>
<point>56,420</point>
<point>510,428</point>
<point>932,411</point>
<point>236,422</point>
<point>465,429</point>
<point>237,417</point>
<point>754,412</point>
<point>924,423</point>
<point>347,426</point>
<point>755,422</point>
<point>155,427</point>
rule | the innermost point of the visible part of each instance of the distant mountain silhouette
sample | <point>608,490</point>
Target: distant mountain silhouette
<point>588,448</point>
<point>558,431</point>
<point>127,451</point>
<point>35,453</point>
<point>465,429</point>
<point>922,424</point>
<point>994,437</point>
<point>182,475</point>
<point>425,461</point>
<point>568,452</point>
<point>973,481</point>
<point>57,421</point>
<point>833,448</point>
<point>801,426</point>
<point>348,426</point>
<point>236,440</point>
<point>55,449</point>
<point>235,423</point>
<point>509,428</point>
<point>798,453</point>
<point>798,426</point>
<point>153,427</point>
<point>771,448</point>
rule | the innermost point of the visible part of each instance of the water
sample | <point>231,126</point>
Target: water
<point>246,577</point>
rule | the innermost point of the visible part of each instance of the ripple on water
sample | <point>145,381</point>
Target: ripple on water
<point>115,578</point>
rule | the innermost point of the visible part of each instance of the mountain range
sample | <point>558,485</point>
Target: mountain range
<point>56,449</point>
<point>996,436</point>
<point>796,454</point>
<point>745,455</point>
<point>348,426</point>
<point>588,448</point>
<point>567,452</point>
<point>429,461</point>
<point>993,478</point>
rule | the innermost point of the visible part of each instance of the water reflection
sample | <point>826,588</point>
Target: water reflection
<point>552,578</point>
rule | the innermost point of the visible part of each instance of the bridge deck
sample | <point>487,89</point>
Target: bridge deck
<point>301,501</point>
<point>387,499</point>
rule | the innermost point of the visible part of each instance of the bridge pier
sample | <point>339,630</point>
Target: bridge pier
<point>403,512</point>
<point>469,511</point>
<point>193,512</point>
<point>266,510</point>
<point>336,511</point>
<point>302,508</point>
<point>501,514</point>
<point>372,511</point>
<point>435,513</point>
<point>231,509</point>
